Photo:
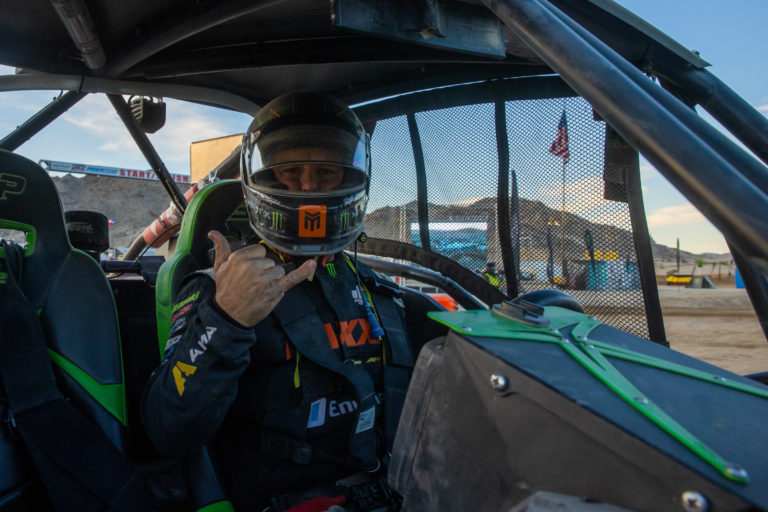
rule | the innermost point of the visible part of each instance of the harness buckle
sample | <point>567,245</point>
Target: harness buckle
<point>10,423</point>
<point>372,495</point>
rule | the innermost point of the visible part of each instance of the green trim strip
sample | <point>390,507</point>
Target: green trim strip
<point>163,293</point>
<point>218,506</point>
<point>661,364</point>
<point>110,396</point>
<point>29,231</point>
<point>592,355</point>
<point>593,360</point>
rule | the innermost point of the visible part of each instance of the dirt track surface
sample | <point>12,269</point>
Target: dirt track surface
<point>717,326</point>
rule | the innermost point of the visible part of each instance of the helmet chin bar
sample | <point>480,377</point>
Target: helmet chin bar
<point>308,225</point>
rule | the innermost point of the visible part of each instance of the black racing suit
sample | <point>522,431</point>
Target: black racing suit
<point>278,422</point>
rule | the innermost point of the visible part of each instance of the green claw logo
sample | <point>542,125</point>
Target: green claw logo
<point>277,221</point>
<point>11,184</point>
<point>344,221</point>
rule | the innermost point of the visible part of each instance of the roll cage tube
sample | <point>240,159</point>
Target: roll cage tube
<point>730,109</point>
<point>680,148</point>
<point>451,287</point>
<point>146,148</point>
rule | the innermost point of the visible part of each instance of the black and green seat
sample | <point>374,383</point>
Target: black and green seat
<point>76,309</point>
<point>218,206</point>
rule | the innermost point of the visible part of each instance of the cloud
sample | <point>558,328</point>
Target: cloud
<point>185,123</point>
<point>95,116</point>
<point>763,109</point>
<point>676,214</point>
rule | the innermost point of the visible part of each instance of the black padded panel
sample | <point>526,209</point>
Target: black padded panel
<point>80,321</point>
<point>77,311</point>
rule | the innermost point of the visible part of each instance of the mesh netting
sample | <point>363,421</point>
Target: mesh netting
<point>570,237</point>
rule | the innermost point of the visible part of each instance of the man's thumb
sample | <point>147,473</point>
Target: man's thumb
<point>221,247</point>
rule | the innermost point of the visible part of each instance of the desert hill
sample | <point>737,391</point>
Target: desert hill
<point>132,204</point>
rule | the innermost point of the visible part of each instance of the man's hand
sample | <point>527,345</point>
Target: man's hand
<point>249,285</point>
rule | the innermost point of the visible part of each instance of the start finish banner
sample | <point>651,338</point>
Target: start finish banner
<point>52,165</point>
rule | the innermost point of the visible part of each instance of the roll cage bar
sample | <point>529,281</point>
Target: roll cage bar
<point>716,175</point>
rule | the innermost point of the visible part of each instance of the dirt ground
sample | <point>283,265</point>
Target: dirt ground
<point>735,343</point>
<point>717,326</point>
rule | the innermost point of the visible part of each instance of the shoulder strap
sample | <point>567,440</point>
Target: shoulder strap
<point>303,326</point>
<point>397,372</point>
<point>80,467</point>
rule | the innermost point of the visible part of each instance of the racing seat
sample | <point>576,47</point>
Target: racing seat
<point>219,206</point>
<point>75,308</point>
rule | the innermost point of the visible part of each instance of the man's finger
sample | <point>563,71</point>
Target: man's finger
<point>252,251</point>
<point>221,246</point>
<point>295,277</point>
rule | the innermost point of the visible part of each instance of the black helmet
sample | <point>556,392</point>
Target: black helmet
<point>289,133</point>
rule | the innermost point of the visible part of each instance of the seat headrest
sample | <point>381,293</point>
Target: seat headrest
<point>29,202</point>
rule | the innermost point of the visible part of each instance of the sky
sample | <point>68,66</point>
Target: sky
<point>730,35</point>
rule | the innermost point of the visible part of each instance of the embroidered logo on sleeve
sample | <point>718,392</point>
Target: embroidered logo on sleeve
<point>172,341</point>
<point>202,343</point>
<point>191,298</point>
<point>178,324</point>
<point>180,373</point>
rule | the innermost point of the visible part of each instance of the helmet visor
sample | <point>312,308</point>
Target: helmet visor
<point>308,158</point>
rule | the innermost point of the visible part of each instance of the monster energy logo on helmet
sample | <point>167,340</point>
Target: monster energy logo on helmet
<point>344,221</point>
<point>277,221</point>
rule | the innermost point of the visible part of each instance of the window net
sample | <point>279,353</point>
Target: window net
<point>564,233</point>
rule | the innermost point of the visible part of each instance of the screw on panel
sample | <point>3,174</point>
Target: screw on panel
<point>499,382</point>
<point>693,501</point>
<point>719,378</point>
<point>641,400</point>
<point>466,328</point>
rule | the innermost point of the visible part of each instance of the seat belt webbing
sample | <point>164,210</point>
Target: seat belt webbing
<point>303,326</point>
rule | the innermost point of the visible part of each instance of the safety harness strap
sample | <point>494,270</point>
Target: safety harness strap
<point>80,467</point>
<point>303,326</point>
<point>397,372</point>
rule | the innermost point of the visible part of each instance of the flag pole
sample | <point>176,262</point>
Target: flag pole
<point>562,226</point>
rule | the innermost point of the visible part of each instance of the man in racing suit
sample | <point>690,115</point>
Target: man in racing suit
<point>289,357</point>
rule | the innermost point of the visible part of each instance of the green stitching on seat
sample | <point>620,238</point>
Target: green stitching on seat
<point>110,396</point>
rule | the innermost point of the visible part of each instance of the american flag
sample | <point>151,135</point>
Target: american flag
<point>559,146</point>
